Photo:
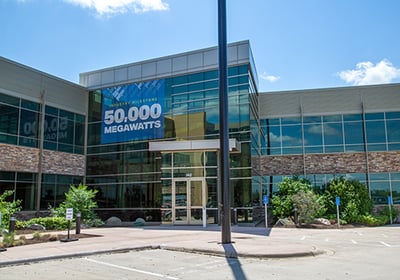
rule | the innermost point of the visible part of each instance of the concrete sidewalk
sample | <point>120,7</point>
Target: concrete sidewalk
<point>246,242</point>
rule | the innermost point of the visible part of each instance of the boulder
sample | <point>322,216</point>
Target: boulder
<point>139,222</point>
<point>113,222</point>
<point>322,221</point>
<point>36,227</point>
<point>284,222</point>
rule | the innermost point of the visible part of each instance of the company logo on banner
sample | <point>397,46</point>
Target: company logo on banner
<point>133,112</point>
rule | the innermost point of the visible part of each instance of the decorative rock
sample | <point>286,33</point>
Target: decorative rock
<point>284,222</point>
<point>36,227</point>
<point>113,222</point>
<point>139,222</point>
<point>322,221</point>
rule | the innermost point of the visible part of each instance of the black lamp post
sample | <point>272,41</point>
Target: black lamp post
<point>223,124</point>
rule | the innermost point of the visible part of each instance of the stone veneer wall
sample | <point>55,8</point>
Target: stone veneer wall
<point>330,163</point>
<point>25,159</point>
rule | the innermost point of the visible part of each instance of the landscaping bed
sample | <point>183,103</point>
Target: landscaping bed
<point>28,237</point>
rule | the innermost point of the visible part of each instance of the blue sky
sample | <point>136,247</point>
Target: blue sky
<point>297,44</point>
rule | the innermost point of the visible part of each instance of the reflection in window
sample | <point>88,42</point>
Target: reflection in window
<point>313,138</point>
<point>291,139</point>
<point>19,124</point>
<point>333,133</point>
<point>381,185</point>
<point>393,131</point>
<point>375,132</point>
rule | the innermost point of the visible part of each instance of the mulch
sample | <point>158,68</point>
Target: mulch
<point>46,236</point>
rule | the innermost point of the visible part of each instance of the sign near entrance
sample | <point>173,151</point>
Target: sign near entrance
<point>69,213</point>
<point>133,112</point>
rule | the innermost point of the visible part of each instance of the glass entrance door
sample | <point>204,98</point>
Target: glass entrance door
<point>188,201</point>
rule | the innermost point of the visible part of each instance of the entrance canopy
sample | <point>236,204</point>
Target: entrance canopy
<point>212,144</point>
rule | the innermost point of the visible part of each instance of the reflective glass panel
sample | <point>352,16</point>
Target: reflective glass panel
<point>312,134</point>
<point>393,131</point>
<point>352,117</point>
<point>8,119</point>
<point>353,132</point>
<point>291,135</point>
<point>375,132</point>
<point>393,115</point>
<point>333,134</point>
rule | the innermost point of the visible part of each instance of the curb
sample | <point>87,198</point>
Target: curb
<point>75,255</point>
<point>227,254</point>
<point>235,255</point>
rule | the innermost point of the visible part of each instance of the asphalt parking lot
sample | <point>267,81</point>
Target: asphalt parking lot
<point>179,253</point>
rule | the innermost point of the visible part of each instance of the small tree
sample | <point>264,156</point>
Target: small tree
<point>282,202</point>
<point>7,208</point>
<point>354,198</point>
<point>308,205</point>
<point>81,199</point>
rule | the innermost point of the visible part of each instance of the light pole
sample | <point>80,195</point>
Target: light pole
<point>223,124</point>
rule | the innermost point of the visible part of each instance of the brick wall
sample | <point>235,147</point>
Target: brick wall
<point>330,163</point>
<point>25,159</point>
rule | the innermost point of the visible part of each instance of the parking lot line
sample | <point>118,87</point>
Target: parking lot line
<point>384,243</point>
<point>132,269</point>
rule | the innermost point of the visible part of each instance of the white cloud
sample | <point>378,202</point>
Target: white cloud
<point>103,7</point>
<point>315,129</point>
<point>285,138</point>
<point>269,78</point>
<point>328,130</point>
<point>367,73</point>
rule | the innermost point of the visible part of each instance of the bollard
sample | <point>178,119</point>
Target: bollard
<point>296,219</point>
<point>11,227</point>
<point>78,223</point>
<point>235,217</point>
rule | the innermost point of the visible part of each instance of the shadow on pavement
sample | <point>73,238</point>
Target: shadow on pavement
<point>234,263</point>
<point>234,229</point>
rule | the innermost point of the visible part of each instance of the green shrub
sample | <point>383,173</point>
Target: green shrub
<point>308,206</point>
<point>282,203</point>
<point>385,211</point>
<point>7,207</point>
<point>36,235</point>
<point>82,200</point>
<point>8,239</point>
<point>50,223</point>
<point>354,199</point>
<point>370,220</point>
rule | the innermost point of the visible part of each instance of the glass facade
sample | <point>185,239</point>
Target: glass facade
<point>381,185</point>
<point>20,125</point>
<point>341,133</point>
<point>190,112</point>
<point>24,186</point>
<point>63,131</point>
<point>332,134</point>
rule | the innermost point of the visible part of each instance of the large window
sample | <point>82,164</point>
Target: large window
<point>63,130</point>
<point>54,188</point>
<point>333,134</point>
<point>381,185</point>
<point>20,125</point>
<point>24,186</point>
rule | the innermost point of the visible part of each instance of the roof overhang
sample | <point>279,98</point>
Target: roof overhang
<point>192,145</point>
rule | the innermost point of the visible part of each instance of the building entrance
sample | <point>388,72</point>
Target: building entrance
<point>188,201</point>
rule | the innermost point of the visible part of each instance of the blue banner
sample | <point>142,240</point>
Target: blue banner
<point>133,112</point>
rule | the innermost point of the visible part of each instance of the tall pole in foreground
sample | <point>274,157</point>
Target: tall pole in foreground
<point>223,124</point>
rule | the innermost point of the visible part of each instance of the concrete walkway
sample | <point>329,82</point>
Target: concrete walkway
<point>246,242</point>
